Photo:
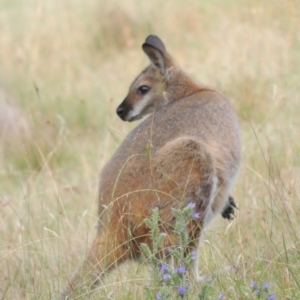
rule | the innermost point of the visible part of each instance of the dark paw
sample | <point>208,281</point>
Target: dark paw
<point>228,212</point>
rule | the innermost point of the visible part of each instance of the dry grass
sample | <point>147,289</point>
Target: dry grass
<point>70,63</point>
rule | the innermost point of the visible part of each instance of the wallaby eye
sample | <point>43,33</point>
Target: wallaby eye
<point>143,89</point>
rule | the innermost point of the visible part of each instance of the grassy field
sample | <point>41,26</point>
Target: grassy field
<point>68,64</point>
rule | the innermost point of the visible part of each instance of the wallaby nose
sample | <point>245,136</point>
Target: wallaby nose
<point>120,111</point>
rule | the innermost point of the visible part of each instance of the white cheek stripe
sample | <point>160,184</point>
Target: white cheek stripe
<point>138,107</point>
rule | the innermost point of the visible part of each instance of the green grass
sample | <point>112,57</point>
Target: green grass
<point>68,64</point>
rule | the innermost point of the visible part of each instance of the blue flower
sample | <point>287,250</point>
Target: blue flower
<point>180,270</point>
<point>182,290</point>
<point>170,250</point>
<point>266,286</point>
<point>254,286</point>
<point>182,229</point>
<point>191,205</point>
<point>166,276</point>
<point>271,297</point>
<point>158,296</point>
<point>163,234</point>
<point>196,215</point>
<point>194,254</point>
<point>220,296</point>
<point>164,268</point>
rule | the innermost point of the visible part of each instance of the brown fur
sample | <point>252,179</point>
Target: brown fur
<point>188,150</point>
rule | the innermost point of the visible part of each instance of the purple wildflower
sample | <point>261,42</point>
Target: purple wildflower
<point>182,290</point>
<point>182,229</point>
<point>170,250</point>
<point>163,234</point>
<point>271,297</point>
<point>253,286</point>
<point>196,215</point>
<point>180,270</point>
<point>194,255</point>
<point>158,296</point>
<point>220,296</point>
<point>266,286</point>
<point>164,268</point>
<point>191,205</point>
<point>166,276</point>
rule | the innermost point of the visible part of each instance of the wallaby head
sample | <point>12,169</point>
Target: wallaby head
<point>149,91</point>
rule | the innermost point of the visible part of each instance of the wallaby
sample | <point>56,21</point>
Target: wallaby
<point>188,150</point>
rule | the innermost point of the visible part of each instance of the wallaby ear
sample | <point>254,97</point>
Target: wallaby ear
<point>156,51</point>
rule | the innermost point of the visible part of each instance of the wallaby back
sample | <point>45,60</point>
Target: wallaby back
<point>188,150</point>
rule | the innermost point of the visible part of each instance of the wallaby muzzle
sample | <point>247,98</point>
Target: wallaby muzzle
<point>123,109</point>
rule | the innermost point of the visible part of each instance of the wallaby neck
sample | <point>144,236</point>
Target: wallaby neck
<point>182,86</point>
